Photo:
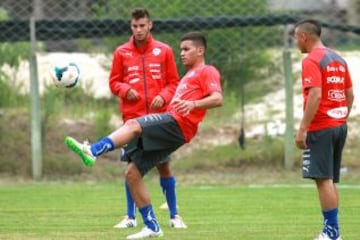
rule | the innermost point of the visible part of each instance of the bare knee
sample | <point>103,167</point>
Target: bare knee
<point>133,126</point>
<point>132,174</point>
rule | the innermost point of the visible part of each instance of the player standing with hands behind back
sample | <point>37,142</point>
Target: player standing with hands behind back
<point>144,76</point>
<point>328,99</point>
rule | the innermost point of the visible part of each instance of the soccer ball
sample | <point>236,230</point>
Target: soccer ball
<point>66,74</point>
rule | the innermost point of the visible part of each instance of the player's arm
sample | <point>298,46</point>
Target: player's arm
<point>184,107</point>
<point>116,84</point>
<point>349,93</point>
<point>312,105</point>
<point>215,99</point>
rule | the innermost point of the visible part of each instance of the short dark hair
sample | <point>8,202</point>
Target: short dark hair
<point>138,13</point>
<point>310,25</point>
<point>198,37</point>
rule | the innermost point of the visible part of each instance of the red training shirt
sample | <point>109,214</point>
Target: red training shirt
<point>324,68</point>
<point>197,83</point>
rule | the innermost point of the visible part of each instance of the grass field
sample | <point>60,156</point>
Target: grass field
<point>75,210</point>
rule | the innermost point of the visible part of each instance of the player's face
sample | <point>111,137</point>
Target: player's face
<point>300,40</point>
<point>141,28</point>
<point>190,53</point>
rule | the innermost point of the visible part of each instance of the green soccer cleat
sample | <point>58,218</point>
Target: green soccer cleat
<point>81,149</point>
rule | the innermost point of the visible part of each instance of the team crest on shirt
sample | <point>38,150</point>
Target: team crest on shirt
<point>156,51</point>
<point>190,74</point>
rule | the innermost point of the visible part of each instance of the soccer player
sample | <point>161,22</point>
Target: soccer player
<point>144,77</point>
<point>328,98</point>
<point>158,135</point>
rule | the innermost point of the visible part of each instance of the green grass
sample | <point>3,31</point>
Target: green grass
<point>73,210</point>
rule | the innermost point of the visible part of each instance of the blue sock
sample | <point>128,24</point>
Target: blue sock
<point>331,224</point>
<point>131,207</point>
<point>148,217</point>
<point>102,146</point>
<point>168,187</point>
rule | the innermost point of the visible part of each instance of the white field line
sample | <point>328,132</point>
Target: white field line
<point>262,186</point>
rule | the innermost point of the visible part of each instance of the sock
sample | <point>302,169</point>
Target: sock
<point>102,146</point>
<point>148,217</point>
<point>331,224</point>
<point>168,187</point>
<point>131,207</point>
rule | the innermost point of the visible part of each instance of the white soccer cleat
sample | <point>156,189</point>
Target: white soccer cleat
<point>126,222</point>
<point>146,233</point>
<point>165,206</point>
<point>323,236</point>
<point>177,222</point>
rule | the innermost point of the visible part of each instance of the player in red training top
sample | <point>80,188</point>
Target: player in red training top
<point>158,135</point>
<point>144,77</point>
<point>328,99</point>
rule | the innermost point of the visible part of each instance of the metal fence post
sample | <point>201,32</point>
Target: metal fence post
<point>289,104</point>
<point>36,141</point>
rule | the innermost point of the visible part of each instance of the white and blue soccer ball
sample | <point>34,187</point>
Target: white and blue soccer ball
<point>66,74</point>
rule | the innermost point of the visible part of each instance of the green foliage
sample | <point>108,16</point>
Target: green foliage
<point>239,62</point>
<point>11,54</point>
<point>177,9</point>
<point>10,96</point>
<point>263,151</point>
<point>102,120</point>
<point>3,14</point>
<point>15,132</point>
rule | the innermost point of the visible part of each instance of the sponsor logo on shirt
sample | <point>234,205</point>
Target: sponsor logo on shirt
<point>156,77</point>
<point>307,79</point>
<point>336,95</point>
<point>342,69</point>
<point>337,113</point>
<point>335,79</point>
<point>331,69</point>
<point>134,80</point>
<point>133,68</point>
<point>335,69</point>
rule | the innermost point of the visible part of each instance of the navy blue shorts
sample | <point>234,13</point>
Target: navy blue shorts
<point>161,135</point>
<point>322,159</point>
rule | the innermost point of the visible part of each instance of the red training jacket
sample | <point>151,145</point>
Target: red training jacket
<point>151,71</point>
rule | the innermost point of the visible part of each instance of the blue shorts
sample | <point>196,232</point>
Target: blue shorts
<point>161,135</point>
<point>322,159</point>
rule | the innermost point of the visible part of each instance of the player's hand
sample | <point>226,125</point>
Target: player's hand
<point>300,139</point>
<point>132,95</point>
<point>184,107</point>
<point>157,102</point>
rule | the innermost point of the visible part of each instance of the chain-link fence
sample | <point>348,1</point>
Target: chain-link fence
<point>240,32</point>
<point>246,38</point>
